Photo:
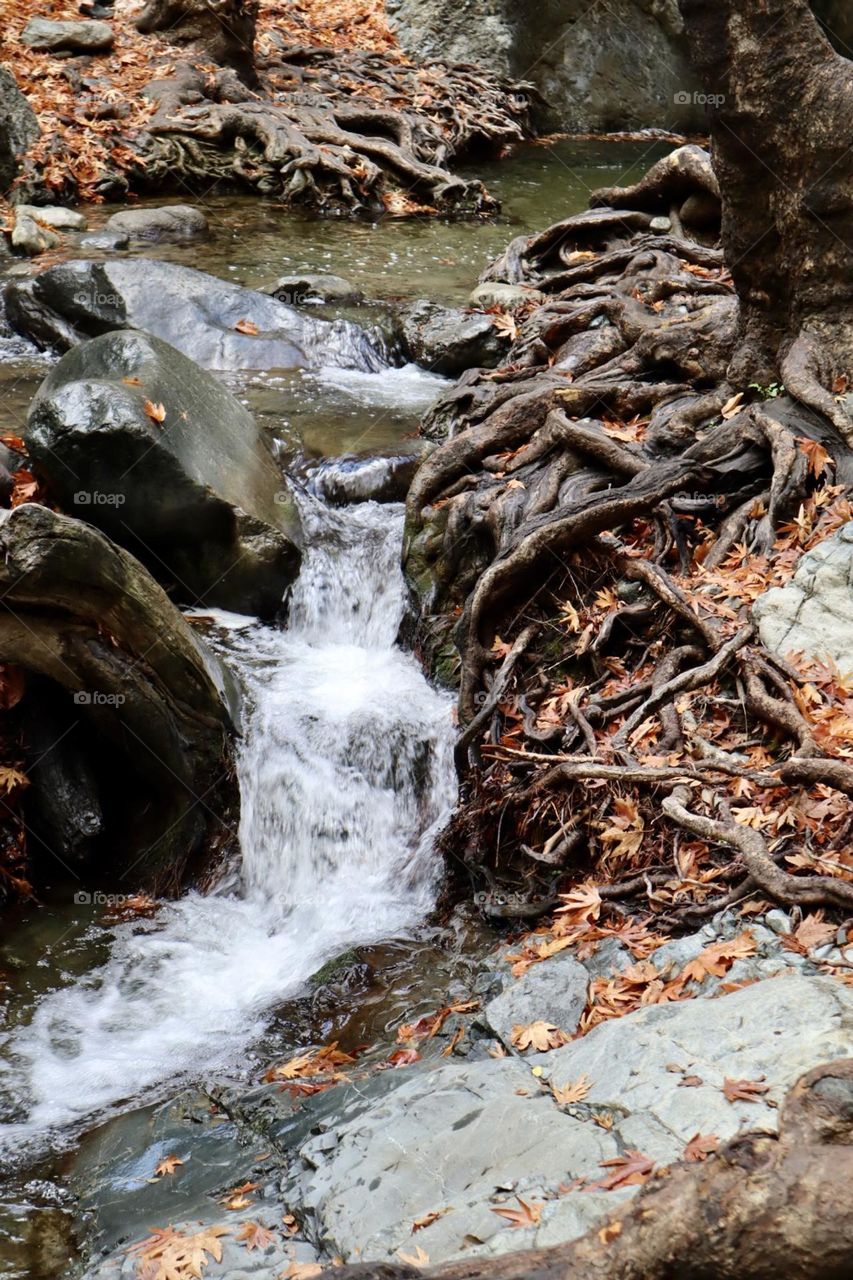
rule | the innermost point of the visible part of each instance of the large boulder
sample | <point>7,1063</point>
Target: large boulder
<point>616,66</point>
<point>144,704</point>
<point>47,36</point>
<point>197,495</point>
<point>218,324</point>
<point>457,1141</point>
<point>813,613</point>
<point>19,127</point>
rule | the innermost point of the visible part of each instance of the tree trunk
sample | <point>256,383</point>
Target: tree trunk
<point>780,121</point>
<point>764,1207</point>
<point>222,31</point>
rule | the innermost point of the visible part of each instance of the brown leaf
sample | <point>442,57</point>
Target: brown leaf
<point>630,1170</point>
<point>403,1057</point>
<point>428,1219</point>
<point>156,412</point>
<point>132,382</point>
<point>540,1036</point>
<point>419,1258</point>
<point>248,327</point>
<point>744,1090</point>
<point>167,1166</point>
<point>254,1236</point>
<point>582,905</point>
<point>13,684</point>
<point>175,1255</point>
<point>700,1146</point>
<point>572,1092</point>
<point>609,1232</point>
<point>528,1215</point>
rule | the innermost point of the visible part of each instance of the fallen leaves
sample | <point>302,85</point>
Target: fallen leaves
<point>322,1066</point>
<point>431,1023</point>
<point>540,1036</point>
<point>528,1215</point>
<point>240,1197</point>
<point>428,1219</point>
<point>168,1254</point>
<point>248,327</point>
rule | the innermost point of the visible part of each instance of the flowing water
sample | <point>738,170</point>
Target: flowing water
<point>345,769</point>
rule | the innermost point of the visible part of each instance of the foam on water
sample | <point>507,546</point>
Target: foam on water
<point>345,771</point>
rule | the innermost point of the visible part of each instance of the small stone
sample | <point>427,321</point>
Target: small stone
<point>174,222</point>
<point>311,288</point>
<point>505,296</point>
<point>553,992</point>
<point>54,216</point>
<point>778,921</point>
<point>661,225</point>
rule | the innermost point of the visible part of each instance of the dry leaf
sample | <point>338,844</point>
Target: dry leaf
<point>744,1090</point>
<point>156,412</point>
<point>573,1092</point>
<point>248,327</point>
<point>630,1170</point>
<point>700,1146</point>
<point>540,1036</point>
<point>528,1215</point>
<point>254,1236</point>
<point>174,1255</point>
<point>166,1166</point>
<point>419,1258</point>
<point>428,1219</point>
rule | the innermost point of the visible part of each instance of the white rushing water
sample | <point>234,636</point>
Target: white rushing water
<point>345,770</point>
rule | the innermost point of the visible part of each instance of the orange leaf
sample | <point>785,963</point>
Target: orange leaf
<point>156,412</point>
<point>528,1215</point>
<point>247,326</point>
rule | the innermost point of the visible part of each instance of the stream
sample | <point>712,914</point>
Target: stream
<point>346,761</point>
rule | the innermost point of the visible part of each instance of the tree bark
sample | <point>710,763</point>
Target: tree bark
<point>780,114</point>
<point>222,31</point>
<point>764,1207</point>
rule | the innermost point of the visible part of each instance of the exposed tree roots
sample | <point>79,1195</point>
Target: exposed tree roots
<point>338,130</point>
<point>586,544</point>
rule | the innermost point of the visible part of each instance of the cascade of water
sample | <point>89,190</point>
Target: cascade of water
<point>345,769</point>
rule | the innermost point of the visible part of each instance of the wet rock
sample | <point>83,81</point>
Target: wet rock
<point>555,992</point>
<point>173,222</point>
<point>106,240</point>
<point>83,613</point>
<point>813,613</point>
<point>46,36</point>
<point>447,341</point>
<point>216,323</point>
<point>19,127</point>
<point>55,216</point>
<point>372,477</point>
<point>197,496</point>
<point>301,290</point>
<point>505,296</point>
<point>31,239</point>
<point>63,802</point>
<point>34,229</point>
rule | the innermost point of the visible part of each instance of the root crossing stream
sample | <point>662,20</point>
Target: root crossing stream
<point>346,769</point>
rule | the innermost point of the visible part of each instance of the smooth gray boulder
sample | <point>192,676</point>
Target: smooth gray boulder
<point>47,36</point>
<point>29,238</point>
<point>174,222</point>
<point>314,287</point>
<point>555,992</point>
<point>19,127</point>
<point>505,296</point>
<point>147,703</point>
<point>55,216</point>
<point>448,341</point>
<point>197,495</point>
<point>813,613</point>
<point>468,1138</point>
<point>217,324</point>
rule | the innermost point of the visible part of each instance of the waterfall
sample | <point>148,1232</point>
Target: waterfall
<point>345,770</point>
